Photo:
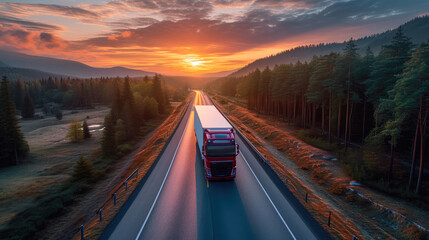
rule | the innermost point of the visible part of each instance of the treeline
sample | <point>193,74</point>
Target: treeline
<point>53,94</point>
<point>379,101</point>
<point>132,101</point>
<point>414,28</point>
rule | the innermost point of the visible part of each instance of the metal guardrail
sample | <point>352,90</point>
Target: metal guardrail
<point>133,177</point>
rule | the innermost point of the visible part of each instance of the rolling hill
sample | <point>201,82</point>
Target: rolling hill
<point>417,29</point>
<point>64,67</point>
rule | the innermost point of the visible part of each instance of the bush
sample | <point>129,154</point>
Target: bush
<point>351,163</point>
<point>372,158</point>
<point>82,170</point>
<point>58,114</point>
<point>337,189</point>
<point>124,148</point>
<point>314,139</point>
<point>320,175</point>
<point>75,133</point>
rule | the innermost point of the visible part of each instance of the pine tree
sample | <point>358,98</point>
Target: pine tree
<point>158,93</point>
<point>28,106</point>
<point>146,79</point>
<point>128,112</point>
<point>83,170</point>
<point>13,145</point>
<point>387,67</point>
<point>150,107</point>
<point>351,56</point>
<point>86,133</point>
<point>108,142</point>
<point>117,101</point>
<point>18,93</point>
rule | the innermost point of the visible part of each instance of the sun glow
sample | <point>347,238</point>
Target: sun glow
<point>194,62</point>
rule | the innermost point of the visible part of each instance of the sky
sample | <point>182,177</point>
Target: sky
<point>189,37</point>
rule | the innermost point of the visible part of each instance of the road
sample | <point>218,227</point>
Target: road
<point>176,201</point>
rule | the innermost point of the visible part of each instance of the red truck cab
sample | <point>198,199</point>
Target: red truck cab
<point>219,151</point>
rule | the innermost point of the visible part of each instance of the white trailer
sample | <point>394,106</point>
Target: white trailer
<point>208,117</point>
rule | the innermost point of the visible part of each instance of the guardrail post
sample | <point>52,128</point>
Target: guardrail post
<point>82,232</point>
<point>137,173</point>
<point>114,199</point>
<point>126,185</point>
<point>101,214</point>
<point>306,196</point>
<point>329,219</point>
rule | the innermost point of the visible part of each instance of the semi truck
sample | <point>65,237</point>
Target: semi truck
<point>216,143</point>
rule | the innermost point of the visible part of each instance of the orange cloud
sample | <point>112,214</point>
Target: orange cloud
<point>17,37</point>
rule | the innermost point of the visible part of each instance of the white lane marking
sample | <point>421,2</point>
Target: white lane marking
<point>162,185</point>
<point>266,194</point>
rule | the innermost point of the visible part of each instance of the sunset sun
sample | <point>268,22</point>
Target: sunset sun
<point>196,63</point>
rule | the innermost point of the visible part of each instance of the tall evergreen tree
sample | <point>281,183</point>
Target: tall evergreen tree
<point>13,145</point>
<point>351,56</point>
<point>117,101</point>
<point>18,93</point>
<point>387,67</point>
<point>158,93</point>
<point>128,112</point>
<point>86,132</point>
<point>28,106</point>
<point>108,142</point>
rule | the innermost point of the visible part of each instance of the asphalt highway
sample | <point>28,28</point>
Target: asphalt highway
<point>176,201</point>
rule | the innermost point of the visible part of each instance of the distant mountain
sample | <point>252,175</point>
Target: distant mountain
<point>65,67</point>
<point>25,74</point>
<point>2,64</point>
<point>218,74</point>
<point>186,81</point>
<point>416,29</point>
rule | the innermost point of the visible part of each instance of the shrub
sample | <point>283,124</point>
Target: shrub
<point>75,133</point>
<point>337,189</point>
<point>372,158</point>
<point>58,114</point>
<point>320,175</point>
<point>124,148</point>
<point>351,163</point>
<point>314,139</point>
